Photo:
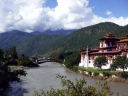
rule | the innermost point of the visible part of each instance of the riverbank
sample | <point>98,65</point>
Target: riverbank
<point>106,75</point>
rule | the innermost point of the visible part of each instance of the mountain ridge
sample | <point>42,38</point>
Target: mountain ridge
<point>42,43</point>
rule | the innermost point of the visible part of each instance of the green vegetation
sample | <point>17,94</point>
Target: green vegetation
<point>69,59</point>
<point>25,61</point>
<point>77,88</point>
<point>59,55</point>
<point>30,43</point>
<point>100,61</point>
<point>105,74</point>
<point>96,72</point>
<point>12,58</point>
<point>72,60</point>
<point>120,62</point>
<point>10,69</point>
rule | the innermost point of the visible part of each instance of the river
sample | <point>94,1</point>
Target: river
<point>44,78</point>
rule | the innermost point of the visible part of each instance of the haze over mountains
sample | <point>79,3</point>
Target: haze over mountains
<point>62,40</point>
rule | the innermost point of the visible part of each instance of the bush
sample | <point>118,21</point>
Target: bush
<point>124,75</point>
<point>107,73</point>
<point>72,60</point>
<point>96,73</point>
<point>79,88</point>
<point>75,68</point>
<point>90,73</point>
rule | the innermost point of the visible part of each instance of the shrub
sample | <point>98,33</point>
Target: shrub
<point>96,73</point>
<point>107,73</point>
<point>90,73</point>
<point>72,60</point>
<point>79,88</point>
<point>124,75</point>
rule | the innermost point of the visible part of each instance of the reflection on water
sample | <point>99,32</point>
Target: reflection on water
<point>44,78</point>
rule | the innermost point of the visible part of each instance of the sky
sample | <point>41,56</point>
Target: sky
<point>42,15</point>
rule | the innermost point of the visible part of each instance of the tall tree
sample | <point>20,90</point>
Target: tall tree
<point>13,52</point>
<point>100,61</point>
<point>11,56</point>
<point>121,62</point>
<point>72,60</point>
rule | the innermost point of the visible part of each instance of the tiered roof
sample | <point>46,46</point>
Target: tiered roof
<point>96,51</point>
<point>105,53</point>
<point>124,39</point>
<point>109,36</point>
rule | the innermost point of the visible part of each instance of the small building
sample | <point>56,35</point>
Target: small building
<point>109,46</point>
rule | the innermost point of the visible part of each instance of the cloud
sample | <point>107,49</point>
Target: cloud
<point>19,14</point>
<point>109,13</point>
<point>34,15</point>
<point>69,14</point>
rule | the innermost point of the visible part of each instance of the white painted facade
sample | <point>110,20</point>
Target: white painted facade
<point>85,62</point>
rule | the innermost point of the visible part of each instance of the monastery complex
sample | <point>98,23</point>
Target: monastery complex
<point>109,46</point>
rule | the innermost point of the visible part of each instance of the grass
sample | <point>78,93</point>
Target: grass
<point>105,74</point>
<point>97,71</point>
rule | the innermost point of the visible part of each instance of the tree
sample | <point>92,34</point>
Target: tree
<point>11,56</point>
<point>100,61</point>
<point>12,53</point>
<point>72,60</point>
<point>6,73</point>
<point>25,61</point>
<point>121,62</point>
<point>1,54</point>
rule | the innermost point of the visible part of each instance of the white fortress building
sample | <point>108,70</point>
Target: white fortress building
<point>109,46</point>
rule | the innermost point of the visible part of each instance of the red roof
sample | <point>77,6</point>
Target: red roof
<point>109,36</point>
<point>108,52</point>
<point>126,36</point>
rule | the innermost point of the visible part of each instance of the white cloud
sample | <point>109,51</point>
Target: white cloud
<point>33,15</point>
<point>109,13</point>
<point>70,14</point>
<point>19,14</point>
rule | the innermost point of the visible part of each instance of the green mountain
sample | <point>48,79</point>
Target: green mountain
<point>42,43</point>
<point>89,36</point>
<point>28,43</point>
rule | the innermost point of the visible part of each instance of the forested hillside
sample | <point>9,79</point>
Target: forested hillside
<point>28,43</point>
<point>42,43</point>
<point>89,36</point>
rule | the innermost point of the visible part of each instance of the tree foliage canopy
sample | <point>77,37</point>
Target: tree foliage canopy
<point>100,61</point>
<point>7,72</point>
<point>72,60</point>
<point>120,62</point>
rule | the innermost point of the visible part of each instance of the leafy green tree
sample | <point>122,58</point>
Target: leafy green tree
<point>100,61</point>
<point>25,61</point>
<point>11,56</point>
<point>12,53</point>
<point>1,54</point>
<point>6,73</point>
<point>59,55</point>
<point>72,60</point>
<point>1,57</point>
<point>121,62</point>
